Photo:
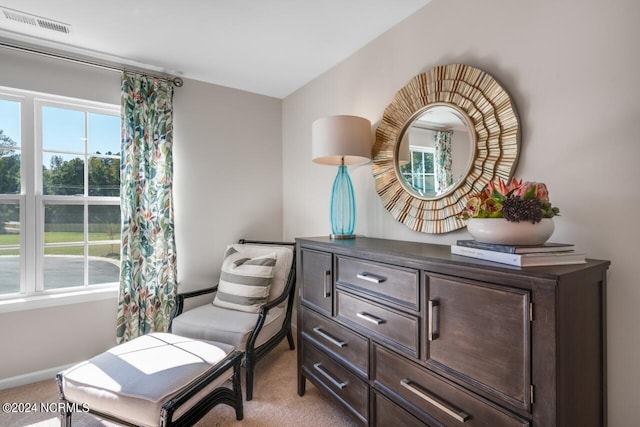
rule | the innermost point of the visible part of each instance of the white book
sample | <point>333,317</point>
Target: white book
<point>522,260</point>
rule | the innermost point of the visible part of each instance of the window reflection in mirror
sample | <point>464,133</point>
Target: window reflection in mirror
<point>435,152</point>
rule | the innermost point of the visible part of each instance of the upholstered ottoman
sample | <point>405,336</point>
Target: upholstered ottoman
<point>158,379</point>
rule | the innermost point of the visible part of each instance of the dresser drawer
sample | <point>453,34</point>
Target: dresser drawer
<point>389,414</point>
<point>395,284</point>
<point>332,377</point>
<point>395,327</point>
<point>343,343</point>
<point>448,403</point>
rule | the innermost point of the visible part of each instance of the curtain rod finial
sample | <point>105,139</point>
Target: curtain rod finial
<point>178,82</point>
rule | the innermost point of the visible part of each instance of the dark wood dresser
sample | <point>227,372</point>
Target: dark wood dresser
<point>406,334</point>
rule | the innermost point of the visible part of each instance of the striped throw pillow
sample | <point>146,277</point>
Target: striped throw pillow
<point>244,281</point>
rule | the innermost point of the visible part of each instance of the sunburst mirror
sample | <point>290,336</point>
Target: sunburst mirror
<point>445,135</point>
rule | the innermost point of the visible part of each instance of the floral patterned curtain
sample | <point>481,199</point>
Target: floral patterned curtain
<point>444,176</point>
<point>148,260</point>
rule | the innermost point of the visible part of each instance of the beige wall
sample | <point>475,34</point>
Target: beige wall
<point>228,167</point>
<point>572,69</point>
<point>228,185</point>
<point>38,342</point>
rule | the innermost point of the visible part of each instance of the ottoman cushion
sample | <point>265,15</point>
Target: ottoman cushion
<point>133,380</point>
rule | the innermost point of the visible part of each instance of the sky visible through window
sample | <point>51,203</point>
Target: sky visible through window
<point>64,129</point>
<point>9,119</point>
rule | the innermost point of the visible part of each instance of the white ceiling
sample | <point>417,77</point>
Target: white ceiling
<point>270,47</point>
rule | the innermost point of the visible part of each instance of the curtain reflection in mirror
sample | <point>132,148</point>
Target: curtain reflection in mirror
<point>443,160</point>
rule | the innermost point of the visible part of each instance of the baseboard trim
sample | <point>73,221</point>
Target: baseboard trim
<point>32,377</point>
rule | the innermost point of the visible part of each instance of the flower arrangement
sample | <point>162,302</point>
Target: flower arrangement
<point>515,202</point>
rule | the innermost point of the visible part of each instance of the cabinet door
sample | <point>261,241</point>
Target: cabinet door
<point>317,280</point>
<point>480,333</point>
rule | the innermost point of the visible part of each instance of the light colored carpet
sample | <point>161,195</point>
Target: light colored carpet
<point>275,401</point>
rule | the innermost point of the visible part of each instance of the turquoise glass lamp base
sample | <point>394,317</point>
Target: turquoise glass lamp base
<point>343,206</point>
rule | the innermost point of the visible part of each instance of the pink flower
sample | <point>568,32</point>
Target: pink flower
<point>541,191</point>
<point>502,187</point>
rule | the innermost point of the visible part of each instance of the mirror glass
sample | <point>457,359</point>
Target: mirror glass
<point>435,152</point>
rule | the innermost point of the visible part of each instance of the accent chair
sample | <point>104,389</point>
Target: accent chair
<point>250,307</point>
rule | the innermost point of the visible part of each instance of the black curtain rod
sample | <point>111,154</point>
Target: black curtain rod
<point>176,81</point>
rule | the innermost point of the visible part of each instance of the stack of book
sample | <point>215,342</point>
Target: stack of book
<point>520,255</point>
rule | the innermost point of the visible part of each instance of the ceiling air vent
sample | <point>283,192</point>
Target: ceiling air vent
<point>54,26</point>
<point>34,21</point>
<point>19,17</point>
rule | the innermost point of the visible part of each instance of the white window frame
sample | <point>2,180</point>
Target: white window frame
<point>32,206</point>
<point>422,150</point>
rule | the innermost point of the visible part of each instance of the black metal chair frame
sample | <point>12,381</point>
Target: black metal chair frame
<point>231,397</point>
<point>252,353</point>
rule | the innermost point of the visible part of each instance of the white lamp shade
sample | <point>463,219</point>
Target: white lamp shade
<point>338,138</point>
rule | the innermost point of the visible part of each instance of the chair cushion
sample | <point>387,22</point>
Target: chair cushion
<point>244,281</point>
<point>133,380</point>
<point>213,323</point>
<point>284,262</point>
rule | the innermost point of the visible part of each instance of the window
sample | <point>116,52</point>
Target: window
<point>10,198</point>
<point>59,194</point>
<point>419,172</point>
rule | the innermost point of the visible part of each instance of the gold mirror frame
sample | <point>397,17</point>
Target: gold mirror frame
<point>495,123</point>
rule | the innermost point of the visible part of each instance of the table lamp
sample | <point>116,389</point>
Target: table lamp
<point>342,141</point>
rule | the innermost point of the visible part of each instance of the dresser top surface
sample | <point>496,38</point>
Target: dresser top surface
<point>416,253</point>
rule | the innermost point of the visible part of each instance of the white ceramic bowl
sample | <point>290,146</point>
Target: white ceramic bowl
<point>502,232</point>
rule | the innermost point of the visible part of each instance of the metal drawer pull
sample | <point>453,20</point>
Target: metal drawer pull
<point>327,274</point>
<point>340,384</point>
<point>329,338</point>
<point>370,318</point>
<point>371,277</point>
<point>432,334</point>
<point>418,391</point>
